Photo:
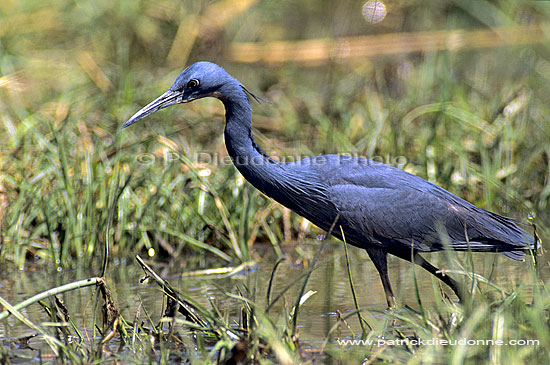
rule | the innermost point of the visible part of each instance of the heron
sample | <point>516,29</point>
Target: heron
<point>377,207</point>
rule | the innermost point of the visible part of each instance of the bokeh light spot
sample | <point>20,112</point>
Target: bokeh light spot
<point>374,11</point>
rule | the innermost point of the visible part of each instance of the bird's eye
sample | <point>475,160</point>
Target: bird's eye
<point>192,83</point>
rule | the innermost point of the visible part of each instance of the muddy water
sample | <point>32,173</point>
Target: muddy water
<point>329,281</point>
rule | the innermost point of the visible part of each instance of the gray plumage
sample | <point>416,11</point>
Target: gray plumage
<point>379,208</point>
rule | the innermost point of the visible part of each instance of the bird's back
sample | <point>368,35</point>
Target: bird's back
<point>383,205</point>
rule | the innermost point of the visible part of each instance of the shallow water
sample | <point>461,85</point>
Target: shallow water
<point>317,316</point>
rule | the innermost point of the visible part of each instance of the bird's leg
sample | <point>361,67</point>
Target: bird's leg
<point>453,284</point>
<point>422,262</point>
<point>379,258</point>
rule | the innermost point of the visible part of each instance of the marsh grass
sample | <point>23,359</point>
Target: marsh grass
<point>73,187</point>
<point>187,329</point>
<point>472,121</point>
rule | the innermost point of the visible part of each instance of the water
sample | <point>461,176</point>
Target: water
<point>317,316</point>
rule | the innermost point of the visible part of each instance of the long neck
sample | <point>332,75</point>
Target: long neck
<point>238,130</point>
<point>248,157</point>
<point>299,188</point>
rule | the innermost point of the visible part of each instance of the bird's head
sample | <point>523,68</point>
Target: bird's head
<point>197,81</point>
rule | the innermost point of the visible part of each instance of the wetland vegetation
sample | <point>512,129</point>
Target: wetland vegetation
<point>453,91</point>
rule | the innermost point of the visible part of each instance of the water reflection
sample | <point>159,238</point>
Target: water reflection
<point>317,316</point>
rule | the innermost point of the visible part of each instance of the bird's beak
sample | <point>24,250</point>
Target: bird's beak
<point>165,100</point>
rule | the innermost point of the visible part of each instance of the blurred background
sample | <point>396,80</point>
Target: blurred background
<point>454,91</point>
